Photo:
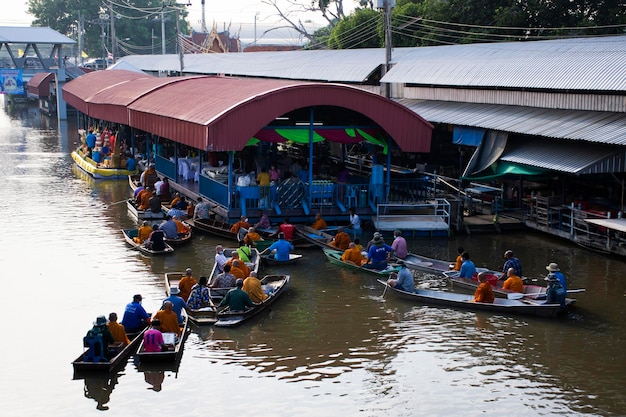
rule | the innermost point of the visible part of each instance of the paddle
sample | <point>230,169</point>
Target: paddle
<point>118,202</point>
<point>518,295</point>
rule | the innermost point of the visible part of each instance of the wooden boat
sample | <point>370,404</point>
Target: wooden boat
<point>275,285</point>
<point>214,227</point>
<point>316,237</point>
<point>334,256</point>
<point>140,214</point>
<point>83,365</point>
<point>270,260</point>
<point>425,264</point>
<point>181,239</point>
<point>174,352</point>
<point>465,301</point>
<point>201,316</point>
<point>130,233</point>
<point>97,171</point>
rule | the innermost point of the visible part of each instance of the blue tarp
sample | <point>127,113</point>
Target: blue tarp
<point>470,136</point>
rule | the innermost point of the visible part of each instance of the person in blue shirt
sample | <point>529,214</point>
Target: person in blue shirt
<point>378,254</point>
<point>177,303</point>
<point>282,247</point>
<point>468,269</point>
<point>511,262</point>
<point>555,293</point>
<point>553,269</point>
<point>403,280</point>
<point>131,162</point>
<point>169,228</point>
<point>90,140</point>
<point>135,317</point>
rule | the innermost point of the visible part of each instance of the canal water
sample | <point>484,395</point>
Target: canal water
<point>332,346</point>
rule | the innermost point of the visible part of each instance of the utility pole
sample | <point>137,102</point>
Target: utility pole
<point>163,30</point>
<point>387,5</point>
<point>113,38</point>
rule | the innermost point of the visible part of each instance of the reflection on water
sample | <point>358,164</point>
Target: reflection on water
<point>331,345</point>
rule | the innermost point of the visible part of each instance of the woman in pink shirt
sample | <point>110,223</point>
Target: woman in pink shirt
<point>399,245</point>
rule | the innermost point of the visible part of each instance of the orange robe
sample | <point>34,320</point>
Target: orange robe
<point>143,233</point>
<point>180,227</point>
<point>484,293</point>
<point>514,283</point>
<point>353,255</point>
<point>341,241</point>
<point>185,285</point>
<point>319,224</point>
<point>118,332</point>
<point>252,286</point>
<point>169,321</point>
<point>251,237</point>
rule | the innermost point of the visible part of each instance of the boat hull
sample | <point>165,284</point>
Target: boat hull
<point>128,236</point>
<point>121,358</point>
<point>334,257</point>
<point>89,166</point>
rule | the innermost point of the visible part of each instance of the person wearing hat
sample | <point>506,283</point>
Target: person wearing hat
<point>511,262</point>
<point>100,329</point>
<point>153,338</point>
<point>553,268</point>
<point>378,254</point>
<point>135,317</point>
<point>143,233</point>
<point>403,280</point>
<point>555,293</point>
<point>237,299</point>
<point>117,330</point>
<point>185,284</point>
<point>399,245</point>
<point>177,303</point>
<point>371,242</point>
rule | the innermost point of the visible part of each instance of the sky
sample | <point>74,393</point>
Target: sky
<point>239,13</point>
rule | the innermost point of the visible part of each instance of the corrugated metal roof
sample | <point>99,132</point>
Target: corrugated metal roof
<point>348,65</point>
<point>39,84</point>
<point>576,159</point>
<point>24,34</point>
<point>567,64</point>
<point>599,127</point>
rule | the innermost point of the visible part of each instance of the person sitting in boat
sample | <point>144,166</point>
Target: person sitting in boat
<point>237,299</point>
<point>239,269</point>
<point>202,209</point>
<point>468,269</point>
<point>225,279</point>
<point>459,259</point>
<point>287,229</point>
<point>117,330</point>
<point>136,193</point>
<point>484,292</point>
<point>377,255</point>
<point>251,237</point>
<point>253,287</point>
<point>96,155</point>
<point>244,252</point>
<point>240,228</point>
<point>555,293</point>
<point>513,282</point>
<point>154,203</point>
<point>403,279</point>
<point>281,248</point>
<point>200,296</point>
<point>353,255</point>
<point>178,304</point>
<point>157,186</point>
<point>553,268</point>
<point>181,227</point>
<point>145,196</point>
<point>153,338</point>
<point>177,197</point>
<point>168,318</point>
<point>149,176</point>
<point>319,223</point>
<point>371,242</point>
<point>179,208</point>
<point>100,329</point>
<point>342,239</point>
<point>220,258</point>
<point>169,228</point>
<point>143,233</point>
<point>156,241</point>
<point>511,262</point>
<point>399,245</point>
<point>135,317</point>
<point>264,222</point>
<point>186,283</point>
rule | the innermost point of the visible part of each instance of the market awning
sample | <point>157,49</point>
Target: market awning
<point>39,84</point>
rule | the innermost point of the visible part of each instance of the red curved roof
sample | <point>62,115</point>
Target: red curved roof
<point>39,84</point>
<point>219,114</point>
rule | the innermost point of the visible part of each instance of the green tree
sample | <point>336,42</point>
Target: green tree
<point>362,29</point>
<point>135,22</point>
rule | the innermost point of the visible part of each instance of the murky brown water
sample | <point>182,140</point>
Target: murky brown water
<point>332,346</point>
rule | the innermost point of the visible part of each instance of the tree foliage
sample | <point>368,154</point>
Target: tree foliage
<point>135,23</point>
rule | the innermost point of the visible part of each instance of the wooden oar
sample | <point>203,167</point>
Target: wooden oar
<point>518,295</point>
<point>117,202</point>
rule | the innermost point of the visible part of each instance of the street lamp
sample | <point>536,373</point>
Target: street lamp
<point>102,20</point>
